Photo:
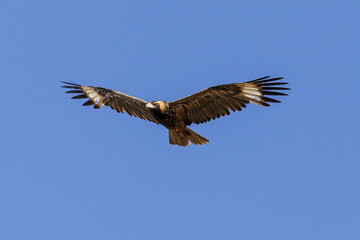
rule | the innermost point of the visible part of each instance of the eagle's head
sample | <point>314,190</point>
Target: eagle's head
<point>157,106</point>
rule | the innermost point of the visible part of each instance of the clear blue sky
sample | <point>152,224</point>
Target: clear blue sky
<point>290,171</point>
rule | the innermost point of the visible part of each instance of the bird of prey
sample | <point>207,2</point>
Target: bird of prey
<point>201,107</point>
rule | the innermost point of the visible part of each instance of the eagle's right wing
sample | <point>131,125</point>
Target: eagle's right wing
<point>217,101</point>
<point>118,101</point>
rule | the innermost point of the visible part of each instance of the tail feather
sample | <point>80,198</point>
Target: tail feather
<point>184,136</point>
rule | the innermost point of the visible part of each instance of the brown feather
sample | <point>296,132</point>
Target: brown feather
<point>82,96</point>
<point>88,103</point>
<point>274,93</point>
<point>75,91</point>
<point>213,102</point>
<point>116,100</point>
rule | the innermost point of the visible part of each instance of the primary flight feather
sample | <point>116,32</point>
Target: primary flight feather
<point>201,107</point>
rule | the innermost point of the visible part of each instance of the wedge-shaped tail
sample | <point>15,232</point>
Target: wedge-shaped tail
<point>184,136</point>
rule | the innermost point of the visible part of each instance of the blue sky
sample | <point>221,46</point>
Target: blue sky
<point>290,171</point>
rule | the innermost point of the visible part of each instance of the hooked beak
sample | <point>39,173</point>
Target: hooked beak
<point>150,105</point>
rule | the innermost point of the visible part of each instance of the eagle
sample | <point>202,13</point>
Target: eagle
<point>201,107</point>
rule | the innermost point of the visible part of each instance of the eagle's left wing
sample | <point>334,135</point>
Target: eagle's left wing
<point>214,102</point>
<point>118,101</point>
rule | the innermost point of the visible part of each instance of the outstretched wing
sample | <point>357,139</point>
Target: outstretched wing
<point>118,101</point>
<point>216,101</point>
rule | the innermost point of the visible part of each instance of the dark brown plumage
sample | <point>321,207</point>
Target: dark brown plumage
<point>201,107</point>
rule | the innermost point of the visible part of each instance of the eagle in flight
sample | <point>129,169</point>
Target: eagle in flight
<point>201,107</point>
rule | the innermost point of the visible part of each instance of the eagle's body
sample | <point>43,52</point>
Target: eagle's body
<point>198,108</point>
<point>162,113</point>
